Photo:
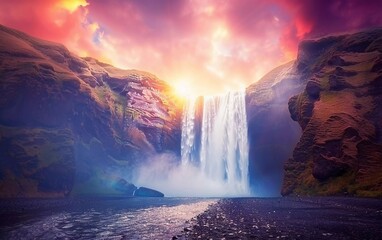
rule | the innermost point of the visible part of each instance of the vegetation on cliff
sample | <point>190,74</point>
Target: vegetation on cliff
<point>340,150</point>
<point>71,125</point>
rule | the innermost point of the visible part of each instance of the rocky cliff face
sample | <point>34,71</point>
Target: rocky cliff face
<point>272,133</point>
<point>340,113</point>
<point>71,125</point>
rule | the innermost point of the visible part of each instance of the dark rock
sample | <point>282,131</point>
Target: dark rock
<point>292,106</point>
<point>311,50</point>
<point>325,168</point>
<point>55,178</point>
<point>313,89</point>
<point>337,83</point>
<point>147,192</point>
<point>124,186</point>
<point>377,66</point>
<point>342,73</point>
<point>337,61</point>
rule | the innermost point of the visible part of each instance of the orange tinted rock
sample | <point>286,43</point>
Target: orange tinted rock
<point>341,136</point>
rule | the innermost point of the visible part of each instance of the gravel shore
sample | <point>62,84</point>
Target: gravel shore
<point>289,218</point>
<point>234,218</point>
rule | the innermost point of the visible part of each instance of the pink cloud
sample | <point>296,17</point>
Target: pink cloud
<point>314,18</point>
<point>213,45</point>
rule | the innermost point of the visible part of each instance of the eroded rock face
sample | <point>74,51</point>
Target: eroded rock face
<point>100,119</point>
<point>272,133</point>
<point>340,115</point>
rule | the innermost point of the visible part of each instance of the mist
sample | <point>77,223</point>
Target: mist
<point>166,173</point>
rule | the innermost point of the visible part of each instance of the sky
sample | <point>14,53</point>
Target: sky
<point>201,47</point>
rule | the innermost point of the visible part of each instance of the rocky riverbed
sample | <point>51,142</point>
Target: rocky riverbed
<point>98,218</point>
<point>288,218</point>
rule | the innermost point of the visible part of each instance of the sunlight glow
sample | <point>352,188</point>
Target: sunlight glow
<point>72,5</point>
<point>183,89</point>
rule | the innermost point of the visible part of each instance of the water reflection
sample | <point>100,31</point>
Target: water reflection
<point>112,222</point>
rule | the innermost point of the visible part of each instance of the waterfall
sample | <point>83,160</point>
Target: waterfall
<point>223,153</point>
<point>188,133</point>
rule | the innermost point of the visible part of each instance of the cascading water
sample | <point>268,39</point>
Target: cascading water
<point>188,133</point>
<point>223,153</point>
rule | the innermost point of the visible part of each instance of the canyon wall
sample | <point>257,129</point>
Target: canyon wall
<point>272,133</point>
<point>76,126</point>
<point>71,125</point>
<point>340,114</point>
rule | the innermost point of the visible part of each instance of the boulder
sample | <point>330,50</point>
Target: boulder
<point>147,192</point>
<point>124,186</point>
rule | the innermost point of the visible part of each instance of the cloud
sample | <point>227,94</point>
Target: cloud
<point>63,21</point>
<point>315,18</point>
<point>213,45</point>
<point>47,19</point>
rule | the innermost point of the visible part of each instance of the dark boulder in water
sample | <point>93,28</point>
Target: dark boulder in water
<point>147,192</point>
<point>124,186</point>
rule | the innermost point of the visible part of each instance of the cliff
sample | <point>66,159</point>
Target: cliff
<point>76,126</point>
<point>272,133</point>
<point>340,114</point>
<point>71,125</point>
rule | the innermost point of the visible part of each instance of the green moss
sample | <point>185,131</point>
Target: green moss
<point>365,64</point>
<point>300,174</point>
<point>371,194</point>
<point>324,82</point>
<point>337,185</point>
<point>299,179</point>
<point>305,184</point>
<point>328,97</point>
<point>101,93</point>
<point>301,98</point>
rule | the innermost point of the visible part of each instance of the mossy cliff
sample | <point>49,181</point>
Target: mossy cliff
<point>340,113</point>
<point>71,125</point>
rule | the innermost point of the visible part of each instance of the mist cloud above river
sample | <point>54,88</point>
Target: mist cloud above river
<point>166,173</point>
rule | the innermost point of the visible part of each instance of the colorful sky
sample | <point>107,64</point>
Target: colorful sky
<point>206,46</point>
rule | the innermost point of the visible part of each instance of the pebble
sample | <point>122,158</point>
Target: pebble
<point>306,218</point>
